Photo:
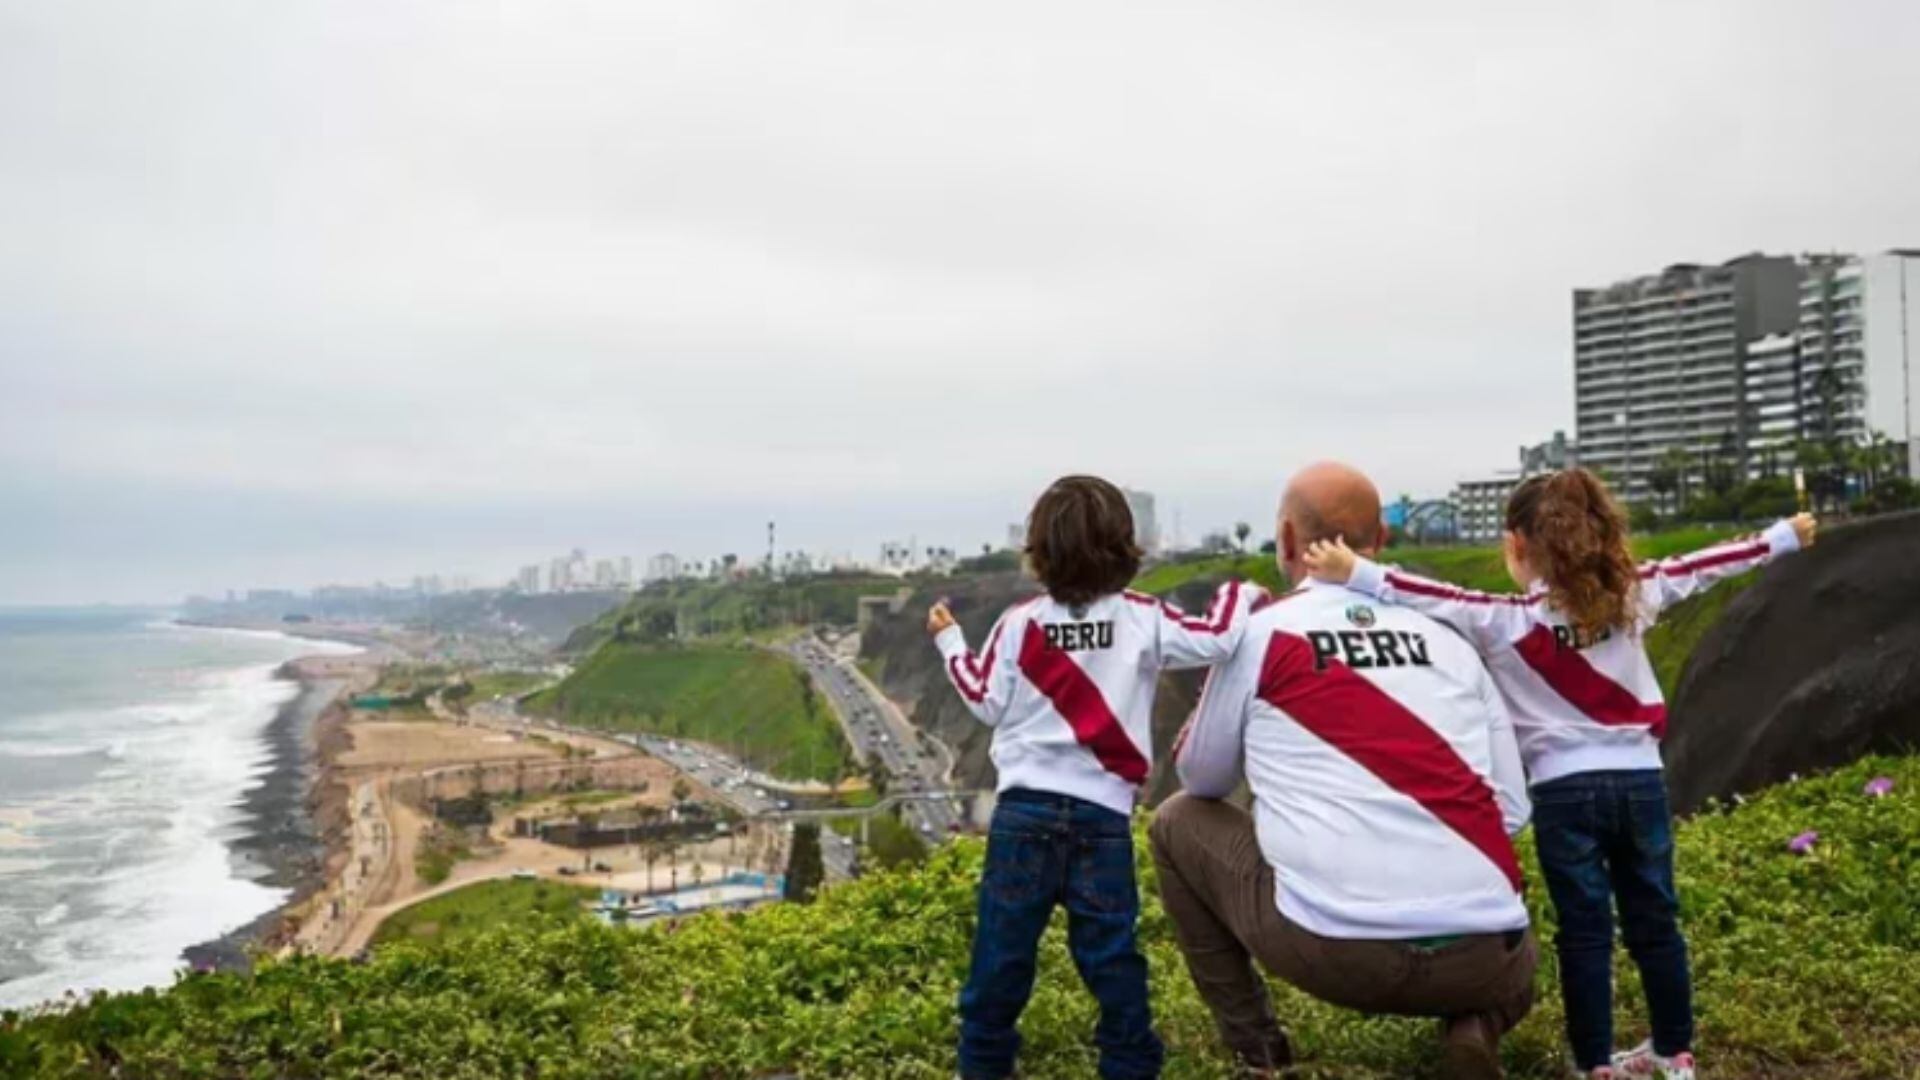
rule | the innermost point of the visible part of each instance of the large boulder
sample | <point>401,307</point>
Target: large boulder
<point>1815,665</point>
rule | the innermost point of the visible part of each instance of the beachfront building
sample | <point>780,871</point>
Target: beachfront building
<point>1479,508</point>
<point>1658,361</point>
<point>1146,529</point>
<point>1857,354</point>
<point>1480,505</point>
<point>1774,407</point>
<point>663,567</point>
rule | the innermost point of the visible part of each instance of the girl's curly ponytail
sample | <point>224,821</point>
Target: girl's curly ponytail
<point>1576,537</point>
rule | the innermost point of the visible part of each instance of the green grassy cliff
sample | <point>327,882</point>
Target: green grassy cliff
<point>747,699</point>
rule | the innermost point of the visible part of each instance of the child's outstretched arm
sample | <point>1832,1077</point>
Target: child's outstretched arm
<point>1669,581</point>
<point>984,680</point>
<point>1184,641</point>
<point>1489,620</point>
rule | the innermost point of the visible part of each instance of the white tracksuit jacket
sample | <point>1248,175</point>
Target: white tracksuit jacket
<point>1578,706</point>
<point>1069,693</point>
<point>1386,783</point>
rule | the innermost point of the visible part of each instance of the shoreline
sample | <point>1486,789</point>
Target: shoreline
<point>286,839</point>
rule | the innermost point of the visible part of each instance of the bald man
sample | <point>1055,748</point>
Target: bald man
<point>1377,869</point>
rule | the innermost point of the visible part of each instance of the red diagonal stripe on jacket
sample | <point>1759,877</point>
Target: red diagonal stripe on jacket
<point>1584,687</point>
<point>1364,722</point>
<point>1075,697</point>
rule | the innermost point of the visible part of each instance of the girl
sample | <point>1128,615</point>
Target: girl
<point>1568,657</point>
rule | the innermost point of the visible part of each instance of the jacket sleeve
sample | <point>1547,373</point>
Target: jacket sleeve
<point>1208,754</point>
<point>1183,641</point>
<point>1489,620</point>
<point>1509,777</point>
<point>985,680</point>
<point>1669,581</point>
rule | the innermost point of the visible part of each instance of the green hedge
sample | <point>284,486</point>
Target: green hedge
<point>1805,966</point>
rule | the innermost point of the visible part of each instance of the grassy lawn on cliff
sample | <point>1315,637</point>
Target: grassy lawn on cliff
<point>743,699</point>
<point>484,906</point>
<point>1804,965</point>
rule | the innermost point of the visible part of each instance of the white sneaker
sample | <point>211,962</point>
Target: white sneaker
<point>1642,1061</point>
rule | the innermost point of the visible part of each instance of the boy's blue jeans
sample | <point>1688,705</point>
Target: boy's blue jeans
<point>1043,850</point>
<point>1606,839</point>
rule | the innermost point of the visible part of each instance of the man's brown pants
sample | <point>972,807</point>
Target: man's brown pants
<point>1218,890</point>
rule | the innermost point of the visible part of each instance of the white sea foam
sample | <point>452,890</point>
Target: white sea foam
<point>133,866</point>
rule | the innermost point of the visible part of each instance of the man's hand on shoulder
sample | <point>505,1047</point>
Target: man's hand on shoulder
<point>1331,560</point>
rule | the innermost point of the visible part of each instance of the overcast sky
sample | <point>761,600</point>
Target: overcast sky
<point>304,292</point>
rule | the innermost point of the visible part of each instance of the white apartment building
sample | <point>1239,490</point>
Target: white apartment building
<point>1857,354</point>
<point>527,580</point>
<point>1146,529</point>
<point>1480,506</point>
<point>663,567</point>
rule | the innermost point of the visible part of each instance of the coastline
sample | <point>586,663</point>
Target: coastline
<point>288,835</point>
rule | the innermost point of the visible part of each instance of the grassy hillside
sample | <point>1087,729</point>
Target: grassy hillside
<point>689,610</point>
<point>463,913</point>
<point>747,699</point>
<point>1804,967</point>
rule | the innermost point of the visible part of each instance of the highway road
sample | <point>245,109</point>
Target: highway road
<point>913,762</point>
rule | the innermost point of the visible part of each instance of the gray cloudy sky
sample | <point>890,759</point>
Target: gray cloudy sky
<point>296,292</point>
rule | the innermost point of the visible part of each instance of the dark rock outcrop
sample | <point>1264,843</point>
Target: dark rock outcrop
<point>1815,665</point>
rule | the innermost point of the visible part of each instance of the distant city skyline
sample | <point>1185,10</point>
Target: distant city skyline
<point>346,292</point>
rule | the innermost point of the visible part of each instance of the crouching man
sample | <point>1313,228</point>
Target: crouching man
<point>1377,870</point>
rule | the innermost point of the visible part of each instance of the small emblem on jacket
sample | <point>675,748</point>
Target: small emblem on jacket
<point>1360,615</point>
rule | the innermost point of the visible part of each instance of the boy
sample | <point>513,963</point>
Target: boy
<point>1066,680</point>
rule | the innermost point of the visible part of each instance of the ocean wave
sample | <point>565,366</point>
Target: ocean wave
<point>319,646</point>
<point>16,748</point>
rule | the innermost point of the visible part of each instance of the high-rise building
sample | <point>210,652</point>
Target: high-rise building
<point>528,580</point>
<point>1858,357</point>
<point>663,567</point>
<point>1659,361</point>
<point>1146,531</point>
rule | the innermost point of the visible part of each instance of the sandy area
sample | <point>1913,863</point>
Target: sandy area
<point>425,744</point>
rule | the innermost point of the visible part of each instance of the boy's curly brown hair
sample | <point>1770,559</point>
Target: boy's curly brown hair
<point>1080,540</point>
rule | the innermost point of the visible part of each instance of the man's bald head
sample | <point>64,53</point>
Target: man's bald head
<point>1325,500</point>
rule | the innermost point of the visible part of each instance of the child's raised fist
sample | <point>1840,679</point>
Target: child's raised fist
<point>1330,560</point>
<point>1806,529</point>
<point>939,618</point>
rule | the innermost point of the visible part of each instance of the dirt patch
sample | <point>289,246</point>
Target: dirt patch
<point>424,744</point>
<point>1814,666</point>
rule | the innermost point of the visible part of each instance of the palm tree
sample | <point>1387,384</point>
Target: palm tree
<point>1677,459</point>
<point>1242,530</point>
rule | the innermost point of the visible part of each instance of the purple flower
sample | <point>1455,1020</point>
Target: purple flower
<point>1879,785</point>
<point>1803,843</point>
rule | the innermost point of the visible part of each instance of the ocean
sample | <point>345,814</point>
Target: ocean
<point>126,745</point>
